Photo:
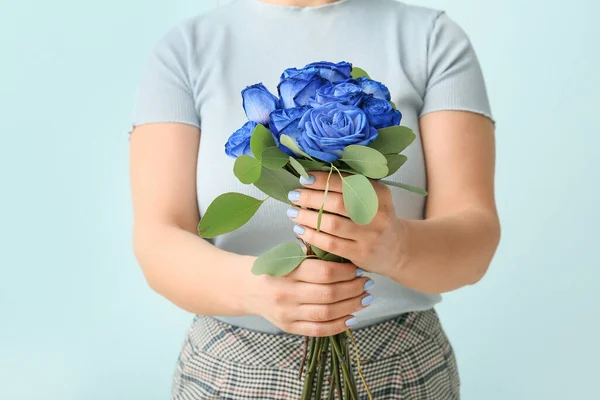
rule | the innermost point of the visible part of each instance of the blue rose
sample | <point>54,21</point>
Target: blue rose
<point>285,122</point>
<point>332,72</point>
<point>259,103</point>
<point>239,142</point>
<point>328,129</point>
<point>298,87</point>
<point>377,89</point>
<point>346,92</point>
<point>380,112</point>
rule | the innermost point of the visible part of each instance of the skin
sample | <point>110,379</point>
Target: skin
<point>451,248</point>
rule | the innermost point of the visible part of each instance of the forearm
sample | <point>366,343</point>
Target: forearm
<point>191,272</point>
<point>448,252</point>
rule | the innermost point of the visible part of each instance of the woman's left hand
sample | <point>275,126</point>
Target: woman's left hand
<point>375,247</point>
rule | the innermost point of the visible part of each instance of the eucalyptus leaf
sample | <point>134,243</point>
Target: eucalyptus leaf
<point>311,165</point>
<point>358,73</point>
<point>280,260</point>
<point>260,140</point>
<point>393,140</point>
<point>227,213</point>
<point>332,257</point>
<point>273,157</point>
<point>360,198</point>
<point>318,252</point>
<point>393,105</point>
<point>247,169</point>
<point>277,183</point>
<point>410,188</point>
<point>366,161</point>
<point>298,167</point>
<point>394,162</point>
<point>292,145</point>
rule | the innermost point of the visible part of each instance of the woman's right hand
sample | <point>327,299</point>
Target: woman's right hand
<point>317,299</point>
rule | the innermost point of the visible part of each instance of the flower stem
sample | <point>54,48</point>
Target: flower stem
<point>303,357</point>
<point>336,370</point>
<point>323,356</point>
<point>341,357</point>
<point>308,383</point>
<point>351,336</point>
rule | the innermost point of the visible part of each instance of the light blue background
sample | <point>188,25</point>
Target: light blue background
<point>77,319</point>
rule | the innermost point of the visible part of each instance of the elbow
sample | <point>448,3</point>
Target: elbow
<point>494,236</point>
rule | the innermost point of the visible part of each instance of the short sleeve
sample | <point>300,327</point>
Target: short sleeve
<point>454,77</point>
<point>165,93</point>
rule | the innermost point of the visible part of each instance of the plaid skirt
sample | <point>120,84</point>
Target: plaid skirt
<point>406,358</point>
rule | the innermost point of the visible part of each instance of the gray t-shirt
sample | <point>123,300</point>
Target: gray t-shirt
<point>195,74</point>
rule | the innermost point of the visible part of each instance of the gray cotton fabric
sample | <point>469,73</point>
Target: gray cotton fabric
<point>195,73</point>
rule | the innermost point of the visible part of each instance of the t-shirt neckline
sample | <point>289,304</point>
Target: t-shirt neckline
<point>283,8</point>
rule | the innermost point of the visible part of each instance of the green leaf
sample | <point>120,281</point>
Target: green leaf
<point>227,213</point>
<point>318,252</point>
<point>298,167</point>
<point>274,158</point>
<point>311,165</point>
<point>332,257</point>
<point>394,162</point>
<point>365,161</point>
<point>410,188</point>
<point>280,260</point>
<point>277,183</point>
<point>261,139</point>
<point>292,145</point>
<point>360,198</point>
<point>358,73</point>
<point>247,169</point>
<point>393,140</point>
<point>393,105</point>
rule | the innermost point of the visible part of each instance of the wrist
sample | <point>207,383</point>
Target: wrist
<point>248,288</point>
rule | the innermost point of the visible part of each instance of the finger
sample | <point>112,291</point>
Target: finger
<point>318,180</point>
<point>331,244</point>
<point>320,329</point>
<point>330,312</point>
<point>311,293</point>
<point>324,272</point>
<point>331,223</point>
<point>334,202</point>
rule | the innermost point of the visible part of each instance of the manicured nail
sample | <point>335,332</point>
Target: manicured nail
<point>369,284</point>
<point>367,300</point>
<point>294,195</point>
<point>352,321</point>
<point>292,212</point>
<point>359,272</point>
<point>299,230</point>
<point>309,181</point>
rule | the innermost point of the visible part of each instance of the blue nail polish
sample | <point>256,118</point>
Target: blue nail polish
<point>369,284</point>
<point>309,181</point>
<point>299,230</point>
<point>294,195</point>
<point>367,300</point>
<point>352,321</point>
<point>359,272</point>
<point>292,212</point>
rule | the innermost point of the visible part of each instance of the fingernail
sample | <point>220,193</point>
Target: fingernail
<point>299,230</point>
<point>369,284</point>
<point>309,181</point>
<point>294,195</point>
<point>292,212</point>
<point>352,321</point>
<point>367,300</point>
<point>359,272</point>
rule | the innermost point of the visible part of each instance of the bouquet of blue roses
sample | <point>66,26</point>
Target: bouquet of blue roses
<point>328,117</point>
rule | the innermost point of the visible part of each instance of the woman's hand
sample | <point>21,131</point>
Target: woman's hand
<point>376,247</point>
<point>317,299</point>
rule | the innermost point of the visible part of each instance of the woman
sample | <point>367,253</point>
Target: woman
<point>246,340</point>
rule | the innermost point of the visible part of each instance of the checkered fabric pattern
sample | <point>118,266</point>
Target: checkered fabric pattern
<point>407,358</point>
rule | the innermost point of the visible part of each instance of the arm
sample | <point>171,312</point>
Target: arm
<point>176,262</point>
<point>454,245</point>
